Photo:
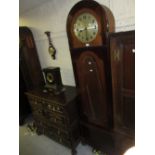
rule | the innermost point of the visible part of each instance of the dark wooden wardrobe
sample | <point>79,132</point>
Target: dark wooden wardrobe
<point>29,68</point>
<point>122,51</point>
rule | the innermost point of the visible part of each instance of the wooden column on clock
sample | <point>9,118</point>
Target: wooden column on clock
<point>88,26</point>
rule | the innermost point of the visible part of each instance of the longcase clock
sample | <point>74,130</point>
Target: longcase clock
<point>88,26</point>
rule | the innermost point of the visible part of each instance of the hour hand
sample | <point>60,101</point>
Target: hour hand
<point>80,30</point>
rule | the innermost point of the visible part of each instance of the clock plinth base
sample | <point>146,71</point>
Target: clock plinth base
<point>56,90</point>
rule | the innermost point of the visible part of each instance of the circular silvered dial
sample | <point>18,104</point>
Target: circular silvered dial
<point>85,27</point>
<point>50,77</point>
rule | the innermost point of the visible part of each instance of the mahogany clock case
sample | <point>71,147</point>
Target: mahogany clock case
<point>102,14</point>
<point>53,79</point>
<point>91,63</point>
<point>30,73</point>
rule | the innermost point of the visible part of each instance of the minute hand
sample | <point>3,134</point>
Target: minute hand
<point>89,28</point>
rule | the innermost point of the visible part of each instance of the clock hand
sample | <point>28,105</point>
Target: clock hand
<point>81,30</point>
<point>86,33</point>
<point>89,28</point>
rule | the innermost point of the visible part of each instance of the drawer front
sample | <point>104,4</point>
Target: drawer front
<point>58,132</point>
<point>35,103</point>
<point>45,106</point>
<point>57,119</point>
<point>38,115</point>
<point>49,118</point>
<point>59,138</point>
<point>55,108</point>
<point>40,127</point>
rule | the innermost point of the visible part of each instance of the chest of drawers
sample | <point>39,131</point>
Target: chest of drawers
<point>56,115</point>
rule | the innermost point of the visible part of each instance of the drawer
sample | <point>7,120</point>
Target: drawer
<point>63,128</point>
<point>50,118</point>
<point>37,114</point>
<point>58,131</point>
<point>55,108</point>
<point>57,119</point>
<point>40,127</point>
<point>35,103</point>
<point>58,138</point>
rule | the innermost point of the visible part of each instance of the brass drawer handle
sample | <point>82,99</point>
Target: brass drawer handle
<point>53,108</point>
<point>49,106</point>
<point>58,108</point>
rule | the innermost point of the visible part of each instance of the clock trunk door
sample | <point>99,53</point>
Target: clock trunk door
<point>91,77</point>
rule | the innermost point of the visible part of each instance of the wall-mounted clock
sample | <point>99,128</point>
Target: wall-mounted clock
<point>88,27</point>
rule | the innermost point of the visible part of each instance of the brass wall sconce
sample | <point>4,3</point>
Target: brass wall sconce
<point>51,49</point>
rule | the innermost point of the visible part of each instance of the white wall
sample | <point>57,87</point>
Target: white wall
<point>52,16</point>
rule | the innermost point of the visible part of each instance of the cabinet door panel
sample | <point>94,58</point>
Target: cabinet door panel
<point>123,81</point>
<point>128,110</point>
<point>128,65</point>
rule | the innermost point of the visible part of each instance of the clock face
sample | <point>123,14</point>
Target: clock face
<point>51,50</point>
<point>50,77</point>
<point>86,27</point>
